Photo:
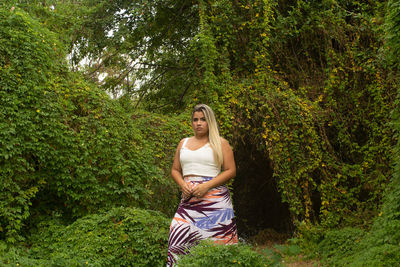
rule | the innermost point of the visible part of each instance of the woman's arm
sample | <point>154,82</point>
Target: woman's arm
<point>176,172</point>
<point>229,171</point>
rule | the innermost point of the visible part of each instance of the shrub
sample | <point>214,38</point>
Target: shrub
<point>163,134</point>
<point>308,238</point>
<point>210,254</point>
<point>338,244</point>
<point>119,237</point>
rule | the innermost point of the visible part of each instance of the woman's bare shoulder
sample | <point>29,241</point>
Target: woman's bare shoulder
<point>224,142</point>
<point>182,141</point>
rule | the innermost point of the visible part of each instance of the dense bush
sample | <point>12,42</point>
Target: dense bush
<point>208,254</point>
<point>30,113</point>
<point>162,134</point>
<point>119,237</point>
<point>338,244</point>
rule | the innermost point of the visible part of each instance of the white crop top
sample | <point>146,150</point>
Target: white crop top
<point>198,162</point>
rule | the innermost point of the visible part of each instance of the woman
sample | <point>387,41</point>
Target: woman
<point>205,210</point>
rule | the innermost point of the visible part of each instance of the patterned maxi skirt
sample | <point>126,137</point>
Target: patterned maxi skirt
<point>210,217</point>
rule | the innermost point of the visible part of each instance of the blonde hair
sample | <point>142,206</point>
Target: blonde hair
<point>213,133</point>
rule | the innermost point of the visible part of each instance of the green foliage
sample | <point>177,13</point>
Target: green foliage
<point>305,82</point>
<point>145,45</point>
<point>313,94</point>
<point>356,247</point>
<point>60,17</point>
<point>119,237</point>
<point>392,24</point>
<point>279,254</point>
<point>331,157</point>
<point>289,250</point>
<point>20,256</point>
<point>380,245</point>
<point>308,238</point>
<point>210,254</point>
<point>162,134</point>
<point>66,146</point>
<point>338,244</point>
<point>328,67</point>
<point>29,57</point>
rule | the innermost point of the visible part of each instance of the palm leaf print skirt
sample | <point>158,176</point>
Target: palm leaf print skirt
<point>210,217</point>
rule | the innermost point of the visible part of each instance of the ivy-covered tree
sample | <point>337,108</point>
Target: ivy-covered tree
<point>379,246</point>
<point>305,83</point>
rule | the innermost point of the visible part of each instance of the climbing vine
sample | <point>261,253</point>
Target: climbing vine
<point>313,94</point>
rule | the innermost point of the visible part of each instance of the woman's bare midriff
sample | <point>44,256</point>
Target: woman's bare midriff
<point>191,175</point>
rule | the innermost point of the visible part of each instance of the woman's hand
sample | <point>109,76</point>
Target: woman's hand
<point>186,190</point>
<point>200,190</point>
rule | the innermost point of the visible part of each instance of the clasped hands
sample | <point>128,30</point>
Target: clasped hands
<point>197,191</point>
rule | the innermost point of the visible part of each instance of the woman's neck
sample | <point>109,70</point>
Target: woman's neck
<point>201,137</point>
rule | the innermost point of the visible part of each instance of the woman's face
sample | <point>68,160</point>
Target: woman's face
<point>199,123</point>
